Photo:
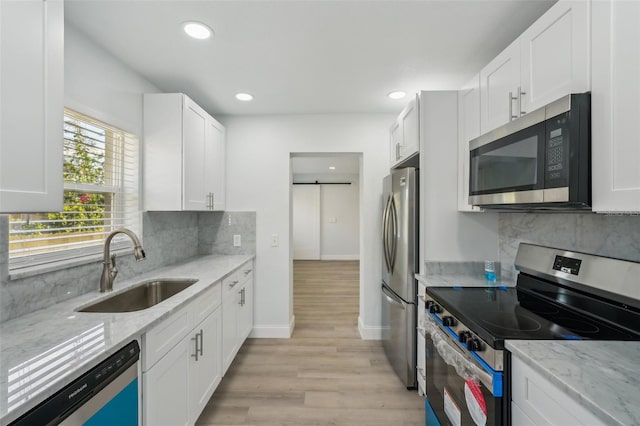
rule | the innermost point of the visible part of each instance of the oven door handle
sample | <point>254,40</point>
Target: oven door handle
<point>454,356</point>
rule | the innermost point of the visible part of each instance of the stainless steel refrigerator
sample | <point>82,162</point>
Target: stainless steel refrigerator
<point>399,266</point>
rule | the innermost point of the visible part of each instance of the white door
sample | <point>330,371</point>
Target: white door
<point>306,222</point>
<point>31,112</point>
<point>205,373</point>
<point>615,106</point>
<point>194,131</point>
<point>499,82</point>
<point>555,55</point>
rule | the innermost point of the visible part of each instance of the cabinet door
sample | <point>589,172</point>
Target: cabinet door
<point>215,176</point>
<point>194,131</point>
<point>405,136</point>
<point>555,55</point>
<point>468,128</point>
<point>206,372</point>
<point>31,105</point>
<point>165,388</point>
<point>499,83</point>
<point>615,107</point>
<point>395,142</point>
<point>230,308</point>
<point>245,315</point>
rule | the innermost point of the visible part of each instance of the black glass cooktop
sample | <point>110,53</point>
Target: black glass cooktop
<point>536,311</point>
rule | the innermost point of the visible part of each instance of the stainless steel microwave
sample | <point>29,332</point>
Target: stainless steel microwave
<point>541,160</point>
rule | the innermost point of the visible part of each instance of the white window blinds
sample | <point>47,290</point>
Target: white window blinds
<point>100,195</point>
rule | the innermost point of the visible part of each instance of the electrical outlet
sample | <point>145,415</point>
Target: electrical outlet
<point>274,240</point>
<point>237,240</point>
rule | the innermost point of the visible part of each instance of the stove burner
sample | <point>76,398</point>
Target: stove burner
<point>577,325</point>
<point>517,323</point>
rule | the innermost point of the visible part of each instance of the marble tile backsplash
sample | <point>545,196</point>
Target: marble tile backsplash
<point>613,236</point>
<point>168,237</point>
<point>218,228</point>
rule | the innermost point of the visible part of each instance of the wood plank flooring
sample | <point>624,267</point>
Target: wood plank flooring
<point>325,374</point>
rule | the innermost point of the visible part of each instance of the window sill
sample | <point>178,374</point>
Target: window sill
<point>44,268</point>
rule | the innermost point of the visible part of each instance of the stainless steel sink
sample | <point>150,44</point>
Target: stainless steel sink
<point>140,296</point>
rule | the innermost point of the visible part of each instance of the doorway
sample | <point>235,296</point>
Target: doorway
<point>325,239</point>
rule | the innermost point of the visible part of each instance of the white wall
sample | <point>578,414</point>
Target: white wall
<point>446,233</point>
<point>259,178</point>
<point>339,221</point>
<point>99,85</point>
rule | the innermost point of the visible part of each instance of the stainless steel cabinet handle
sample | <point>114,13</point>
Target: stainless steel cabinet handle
<point>247,271</point>
<point>195,355</point>
<point>520,95</point>
<point>397,151</point>
<point>233,283</point>
<point>201,334</point>
<point>511,99</point>
<point>241,293</point>
<point>213,200</point>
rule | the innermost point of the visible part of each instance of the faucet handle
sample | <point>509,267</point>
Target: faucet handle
<point>113,260</point>
<point>114,270</point>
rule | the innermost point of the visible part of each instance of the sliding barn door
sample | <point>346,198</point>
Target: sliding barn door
<point>306,222</point>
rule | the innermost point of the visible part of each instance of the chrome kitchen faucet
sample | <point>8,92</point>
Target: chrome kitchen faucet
<point>109,269</point>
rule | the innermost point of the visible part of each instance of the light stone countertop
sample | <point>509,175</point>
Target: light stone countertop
<point>601,376</point>
<point>43,351</point>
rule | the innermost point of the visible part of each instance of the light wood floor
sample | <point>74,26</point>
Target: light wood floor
<point>325,374</point>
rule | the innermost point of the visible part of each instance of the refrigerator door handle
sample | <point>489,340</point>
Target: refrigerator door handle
<point>385,233</point>
<point>392,298</point>
<point>394,246</point>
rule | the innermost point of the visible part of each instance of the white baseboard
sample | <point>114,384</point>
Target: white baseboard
<point>273,331</point>
<point>368,332</point>
<point>340,257</point>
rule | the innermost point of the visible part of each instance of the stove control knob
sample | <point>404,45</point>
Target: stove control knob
<point>429,304</point>
<point>474,344</point>
<point>464,336</point>
<point>448,321</point>
<point>435,309</point>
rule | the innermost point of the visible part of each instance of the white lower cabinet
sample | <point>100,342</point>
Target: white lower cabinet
<point>537,401</point>
<point>182,362</point>
<point>205,369</point>
<point>237,312</point>
<point>421,372</point>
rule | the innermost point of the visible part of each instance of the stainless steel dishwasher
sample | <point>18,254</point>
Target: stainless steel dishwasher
<point>105,395</point>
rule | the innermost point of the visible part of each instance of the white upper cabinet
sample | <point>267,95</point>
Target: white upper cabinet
<point>31,105</point>
<point>468,128</point>
<point>184,155</point>
<point>548,61</point>
<point>499,82</point>
<point>404,135</point>
<point>615,109</point>
<point>555,55</point>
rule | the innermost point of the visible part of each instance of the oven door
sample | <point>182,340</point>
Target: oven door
<point>459,389</point>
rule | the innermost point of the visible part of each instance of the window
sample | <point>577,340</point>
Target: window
<point>100,195</point>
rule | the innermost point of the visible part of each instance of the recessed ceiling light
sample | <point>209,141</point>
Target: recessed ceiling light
<point>332,167</point>
<point>197,30</point>
<point>244,96</point>
<point>397,95</point>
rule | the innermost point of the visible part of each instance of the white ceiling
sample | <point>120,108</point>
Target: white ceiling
<point>305,56</point>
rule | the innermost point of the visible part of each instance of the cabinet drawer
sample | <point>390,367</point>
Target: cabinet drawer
<point>205,303</point>
<point>237,277</point>
<point>160,339</point>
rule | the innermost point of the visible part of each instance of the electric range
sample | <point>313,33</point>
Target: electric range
<point>558,295</point>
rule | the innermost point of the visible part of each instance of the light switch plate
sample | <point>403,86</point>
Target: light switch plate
<point>237,240</point>
<point>274,240</point>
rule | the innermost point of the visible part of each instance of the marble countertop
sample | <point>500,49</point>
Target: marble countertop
<point>601,376</point>
<point>45,350</point>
